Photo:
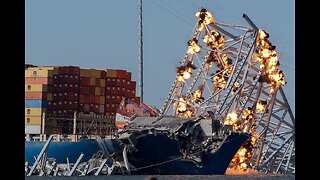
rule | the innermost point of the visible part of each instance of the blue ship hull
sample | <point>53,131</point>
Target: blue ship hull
<point>161,155</point>
<point>71,150</point>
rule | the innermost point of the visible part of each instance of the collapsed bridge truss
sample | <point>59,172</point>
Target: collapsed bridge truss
<point>232,70</point>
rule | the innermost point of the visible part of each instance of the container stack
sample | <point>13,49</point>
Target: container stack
<point>119,86</point>
<point>65,91</point>
<point>92,91</point>
<point>61,91</point>
<point>38,90</point>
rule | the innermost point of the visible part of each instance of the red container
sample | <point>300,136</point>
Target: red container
<point>74,70</point>
<point>81,99</point>
<point>91,90</point>
<point>76,105</point>
<point>108,90</point>
<point>69,87</point>
<point>84,89</point>
<point>102,91</point>
<point>121,73</point>
<point>49,111</point>
<point>110,82</point>
<point>103,74</point>
<point>76,87</point>
<point>49,105</point>
<point>60,70</point>
<point>86,98</point>
<point>55,78</point>
<point>97,82</point>
<point>120,82</point>
<point>76,96</point>
<point>38,80</point>
<point>135,99</point>
<point>131,85</point>
<point>73,88</point>
<point>97,99</point>
<point>70,96</point>
<point>35,95</point>
<point>65,70</point>
<point>84,81</point>
<point>96,108</point>
<point>91,98</point>
<point>130,93</point>
<point>50,88</point>
<point>128,76</point>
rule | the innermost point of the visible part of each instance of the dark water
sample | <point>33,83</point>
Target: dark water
<point>171,177</point>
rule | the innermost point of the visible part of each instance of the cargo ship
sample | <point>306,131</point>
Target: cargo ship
<point>156,145</point>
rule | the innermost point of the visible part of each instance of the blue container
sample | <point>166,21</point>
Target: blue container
<point>35,103</point>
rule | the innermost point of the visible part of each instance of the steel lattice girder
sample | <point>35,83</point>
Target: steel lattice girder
<point>240,47</point>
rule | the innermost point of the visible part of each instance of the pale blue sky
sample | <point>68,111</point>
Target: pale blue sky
<point>104,34</point>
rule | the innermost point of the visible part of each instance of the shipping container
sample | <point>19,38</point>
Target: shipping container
<point>86,98</point>
<point>84,81</point>
<point>97,91</point>
<point>102,91</point>
<point>84,89</point>
<point>38,72</point>
<point>86,108</point>
<point>29,112</point>
<point>121,73</point>
<point>121,125</point>
<point>71,96</point>
<point>97,83</point>
<point>34,120</point>
<point>49,97</point>
<point>130,93</point>
<point>91,98</point>
<point>111,73</point>
<point>111,90</point>
<point>81,98</point>
<point>120,82</point>
<point>97,99</point>
<point>102,100</point>
<point>128,76</point>
<point>35,87</point>
<point>38,80</point>
<point>103,73</point>
<point>101,109</point>
<point>131,85</point>
<point>135,99</point>
<point>95,73</point>
<point>102,82</point>
<point>110,82</point>
<point>55,79</point>
<point>35,103</point>
<point>65,70</point>
<point>32,129</point>
<point>91,90</point>
<point>72,88</point>
<point>84,72</point>
<point>92,81</point>
<point>35,95</point>
<point>50,88</point>
<point>74,70</point>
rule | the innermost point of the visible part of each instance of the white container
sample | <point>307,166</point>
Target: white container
<point>32,129</point>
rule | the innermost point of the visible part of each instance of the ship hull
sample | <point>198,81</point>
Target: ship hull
<point>71,150</point>
<point>161,155</point>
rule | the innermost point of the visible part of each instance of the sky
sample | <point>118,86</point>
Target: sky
<point>104,34</point>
